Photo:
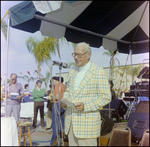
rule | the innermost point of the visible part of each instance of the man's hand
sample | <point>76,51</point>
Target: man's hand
<point>79,106</point>
<point>19,97</point>
<point>9,95</point>
<point>49,97</point>
<point>63,105</point>
<point>26,93</point>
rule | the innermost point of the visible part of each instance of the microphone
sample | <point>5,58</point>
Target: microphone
<point>64,65</point>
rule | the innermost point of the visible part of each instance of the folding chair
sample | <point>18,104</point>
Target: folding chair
<point>121,136</point>
<point>145,138</point>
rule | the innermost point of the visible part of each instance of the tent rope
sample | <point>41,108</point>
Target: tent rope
<point>5,15</point>
<point>139,23</point>
<point>105,16</point>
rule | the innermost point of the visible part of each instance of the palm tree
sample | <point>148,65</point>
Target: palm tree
<point>112,66</point>
<point>127,69</point>
<point>45,79</point>
<point>26,78</point>
<point>8,81</point>
<point>136,71</point>
<point>4,28</point>
<point>119,81</point>
<point>42,50</point>
<point>109,53</point>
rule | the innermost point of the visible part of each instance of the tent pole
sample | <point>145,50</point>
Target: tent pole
<point>126,77</point>
<point>7,65</point>
<point>111,75</point>
<point>110,78</point>
<point>131,64</point>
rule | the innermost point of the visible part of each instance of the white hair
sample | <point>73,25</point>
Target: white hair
<point>87,47</point>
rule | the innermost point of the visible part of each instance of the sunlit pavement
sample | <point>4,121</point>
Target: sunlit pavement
<point>39,136</point>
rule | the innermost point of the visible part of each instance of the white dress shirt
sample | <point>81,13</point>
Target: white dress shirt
<point>81,72</point>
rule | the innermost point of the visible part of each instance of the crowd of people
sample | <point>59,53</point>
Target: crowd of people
<point>87,87</point>
<point>14,105</point>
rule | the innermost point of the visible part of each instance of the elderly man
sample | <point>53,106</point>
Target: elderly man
<point>88,88</point>
<point>13,105</point>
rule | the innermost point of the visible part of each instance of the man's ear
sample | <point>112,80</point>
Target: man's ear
<point>89,55</point>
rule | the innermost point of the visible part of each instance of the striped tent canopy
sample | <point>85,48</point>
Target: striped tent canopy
<point>115,25</point>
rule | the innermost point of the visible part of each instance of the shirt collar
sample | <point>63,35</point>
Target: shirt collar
<point>38,88</point>
<point>11,84</point>
<point>85,67</point>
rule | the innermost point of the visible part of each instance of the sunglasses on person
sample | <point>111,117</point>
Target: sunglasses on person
<point>13,79</point>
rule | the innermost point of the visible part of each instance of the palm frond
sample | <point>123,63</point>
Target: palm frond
<point>47,75</point>
<point>4,28</point>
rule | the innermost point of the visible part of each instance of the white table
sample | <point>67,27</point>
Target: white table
<point>9,132</point>
<point>27,110</point>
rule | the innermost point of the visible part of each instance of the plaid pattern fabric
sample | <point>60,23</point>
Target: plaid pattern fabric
<point>94,91</point>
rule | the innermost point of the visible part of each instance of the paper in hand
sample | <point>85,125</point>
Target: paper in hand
<point>45,97</point>
<point>70,104</point>
<point>14,96</point>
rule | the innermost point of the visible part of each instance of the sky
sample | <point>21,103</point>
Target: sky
<point>20,60</point>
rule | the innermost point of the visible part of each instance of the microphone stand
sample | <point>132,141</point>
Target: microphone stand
<point>59,119</point>
<point>110,77</point>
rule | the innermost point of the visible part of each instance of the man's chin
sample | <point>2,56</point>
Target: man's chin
<point>77,64</point>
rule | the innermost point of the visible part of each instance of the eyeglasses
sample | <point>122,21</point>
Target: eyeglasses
<point>13,79</point>
<point>78,55</point>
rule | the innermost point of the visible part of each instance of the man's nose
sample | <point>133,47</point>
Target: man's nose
<point>75,57</point>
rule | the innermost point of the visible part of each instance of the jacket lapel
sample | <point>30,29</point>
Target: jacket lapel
<point>87,76</point>
<point>72,87</point>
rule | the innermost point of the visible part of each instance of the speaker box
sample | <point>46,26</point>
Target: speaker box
<point>138,123</point>
<point>119,105</point>
<point>143,107</point>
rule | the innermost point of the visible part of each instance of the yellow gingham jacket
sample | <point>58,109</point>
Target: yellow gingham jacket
<point>94,92</point>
